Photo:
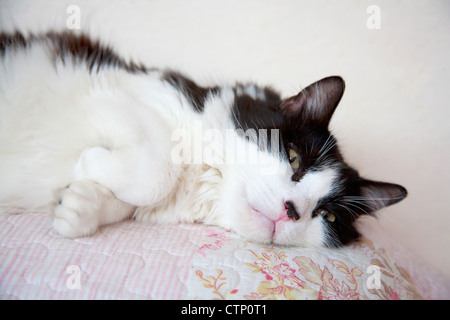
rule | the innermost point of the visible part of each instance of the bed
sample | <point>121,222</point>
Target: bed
<point>134,260</point>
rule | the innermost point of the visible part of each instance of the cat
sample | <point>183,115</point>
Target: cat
<point>95,140</point>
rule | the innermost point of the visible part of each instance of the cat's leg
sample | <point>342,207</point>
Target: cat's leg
<point>109,184</point>
<point>83,206</point>
<point>139,175</point>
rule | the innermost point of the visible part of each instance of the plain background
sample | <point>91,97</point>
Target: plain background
<point>392,123</point>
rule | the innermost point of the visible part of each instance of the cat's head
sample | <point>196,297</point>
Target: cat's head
<point>312,197</point>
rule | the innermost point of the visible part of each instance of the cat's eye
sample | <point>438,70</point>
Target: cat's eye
<point>326,215</point>
<point>294,159</point>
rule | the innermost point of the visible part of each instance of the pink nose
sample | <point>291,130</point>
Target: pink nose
<point>283,215</point>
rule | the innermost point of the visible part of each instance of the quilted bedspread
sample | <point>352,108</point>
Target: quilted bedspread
<point>133,260</point>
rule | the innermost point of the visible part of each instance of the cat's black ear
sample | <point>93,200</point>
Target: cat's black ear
<point>376,195</point>
<point>316,102</point>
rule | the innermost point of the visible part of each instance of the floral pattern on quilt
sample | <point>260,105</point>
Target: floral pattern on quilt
<point>214,240</point>
<point>283,275</point>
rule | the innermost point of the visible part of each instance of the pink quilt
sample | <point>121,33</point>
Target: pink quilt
<point>133,260</point>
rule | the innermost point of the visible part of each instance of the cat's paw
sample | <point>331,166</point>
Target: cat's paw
<point>76,210</point>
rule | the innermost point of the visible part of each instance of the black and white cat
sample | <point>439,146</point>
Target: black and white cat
<point>97,140</point>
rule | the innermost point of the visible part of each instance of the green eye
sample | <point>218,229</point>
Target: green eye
<point>294,159</point>
<point>326,215</point>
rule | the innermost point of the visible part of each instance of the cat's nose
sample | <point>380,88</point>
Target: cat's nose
<point>291,211</point>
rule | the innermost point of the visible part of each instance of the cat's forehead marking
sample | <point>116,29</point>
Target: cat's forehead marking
<point>318,184</point>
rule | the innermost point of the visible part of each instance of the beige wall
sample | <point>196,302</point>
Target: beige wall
<point>393,120</point>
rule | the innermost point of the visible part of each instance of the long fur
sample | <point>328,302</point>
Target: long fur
<point>95,139</point>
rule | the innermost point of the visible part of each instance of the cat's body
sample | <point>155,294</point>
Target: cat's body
<point>97,140</point>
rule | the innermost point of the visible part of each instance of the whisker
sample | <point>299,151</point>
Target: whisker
<point>361,198</point>
<point>313,145</point>
<point>329,147</point>
<point>332,239</point>
<point>370,208</point>
<point>325,144</point>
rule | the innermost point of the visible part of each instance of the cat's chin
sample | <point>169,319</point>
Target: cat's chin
<point>257,227</point>
<point>272,231</point>
<point>283,231</point>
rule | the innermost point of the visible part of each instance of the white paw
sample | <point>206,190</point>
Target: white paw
<point>76,211</point>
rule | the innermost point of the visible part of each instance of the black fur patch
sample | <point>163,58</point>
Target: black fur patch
<point>195,94</point>
<point>260,112</point>
<point>13,41</point>
<point>94,54</point>
<point>77,48</point>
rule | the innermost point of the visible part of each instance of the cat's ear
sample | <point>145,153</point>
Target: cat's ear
<point>376,195</point>
<point>316,102</point>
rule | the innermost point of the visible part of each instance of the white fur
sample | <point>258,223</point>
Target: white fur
<point>107,136</point>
